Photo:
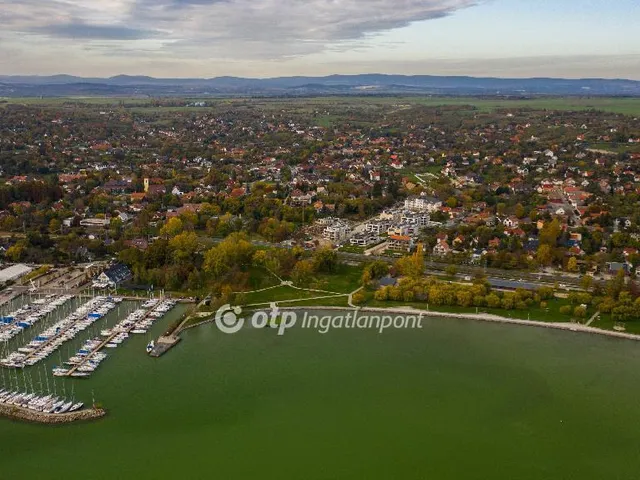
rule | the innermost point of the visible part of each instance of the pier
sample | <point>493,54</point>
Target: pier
<point>61,333</point>
<point>163,345</point>
<point>102,344</point>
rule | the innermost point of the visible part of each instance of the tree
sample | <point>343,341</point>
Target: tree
<point>184,246</point>
<point>586,282</point>
<point>382,294</point>
<point>572,265</point>
<point>520,211</point>
<point>545,293</point>
<point>16,252</point>
<point>565,310</point>
<point>451,270</point>
<point>411,266</point>
<point>55,225</point>
<point>464,297</point>
<point>616,285</point>
<point>259,258</point>
<point>325,260</point>
<point>366,279</point>
<point>172,228</point>
<point>580,312</point>
<point>302,272</point>
<point>358,298</point>
<point>493,301</point>
<point>544,255</point>
<point>377,269</point>
<point>550,233</point>
<point>233,252</point>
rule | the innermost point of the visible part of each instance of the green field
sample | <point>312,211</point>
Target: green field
<point>627,106</point>
<point>345,279</point>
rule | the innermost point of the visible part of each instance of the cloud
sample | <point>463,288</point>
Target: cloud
<point>268,29</point>
<point>81,30</point>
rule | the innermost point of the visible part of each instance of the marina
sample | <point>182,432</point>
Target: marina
<point>83,323</point>
<point>48,341</point>
<point>28,315</point>
<point>89,356</point>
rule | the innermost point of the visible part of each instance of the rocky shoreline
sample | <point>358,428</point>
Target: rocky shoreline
<point>14,412</point>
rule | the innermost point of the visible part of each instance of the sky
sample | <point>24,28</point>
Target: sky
<point>270,38</point>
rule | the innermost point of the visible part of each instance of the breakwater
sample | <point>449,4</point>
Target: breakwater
<point>14,412</point>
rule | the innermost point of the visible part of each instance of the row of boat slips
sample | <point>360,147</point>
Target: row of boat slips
<point>84,362</point>
<point>53,337</point>
<point>37,403</point>
<point>27,316</point>
<point>89,357</point>
<point>138,322</point>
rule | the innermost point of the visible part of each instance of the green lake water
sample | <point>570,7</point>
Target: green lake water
<point>455,400</point>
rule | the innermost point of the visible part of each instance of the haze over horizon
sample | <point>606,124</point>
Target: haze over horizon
<point>272,38</point>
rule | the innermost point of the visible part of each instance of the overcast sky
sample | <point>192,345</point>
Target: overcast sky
<point>266,38</point>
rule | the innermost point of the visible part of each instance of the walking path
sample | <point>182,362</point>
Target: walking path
<point>595,315</point>
<point>487,317</point>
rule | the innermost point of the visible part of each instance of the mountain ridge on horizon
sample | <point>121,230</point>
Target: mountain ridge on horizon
<point>368,83</point>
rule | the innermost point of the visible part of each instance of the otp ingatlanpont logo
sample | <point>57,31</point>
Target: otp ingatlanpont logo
<point>227,319</point>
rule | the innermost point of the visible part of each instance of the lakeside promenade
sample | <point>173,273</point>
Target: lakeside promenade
<point>485,317</point>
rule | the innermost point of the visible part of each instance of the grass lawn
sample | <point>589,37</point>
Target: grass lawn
<point>261,278</point>
<point>277,294</point>
<point>323,302</point>
<point>616,147</point>
<point>345,279</point>
<point>352,249</point>
<point>607,323</point>
<point>551,314</point>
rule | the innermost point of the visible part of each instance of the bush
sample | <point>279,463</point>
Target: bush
<point>408,296</point>
<point>580,312</point>
<point>565,310</point>
<point>479,301</point>
<point>451,270</point>
<point>395,293</point>
<point>493,301</point>
<point>382,294</point>
<point>545,293</point>
<point>358,298</point>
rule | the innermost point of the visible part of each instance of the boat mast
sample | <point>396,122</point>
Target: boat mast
<point>40,377</point>
<point>46,378</point>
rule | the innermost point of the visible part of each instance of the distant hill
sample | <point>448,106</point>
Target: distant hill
<point>64,85</point>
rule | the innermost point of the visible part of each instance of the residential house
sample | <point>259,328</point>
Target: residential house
<point>423,204</point>
<point>113,276</point>
<point>400,243</point>
<point>364,239</point>
<point>442,248</point>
